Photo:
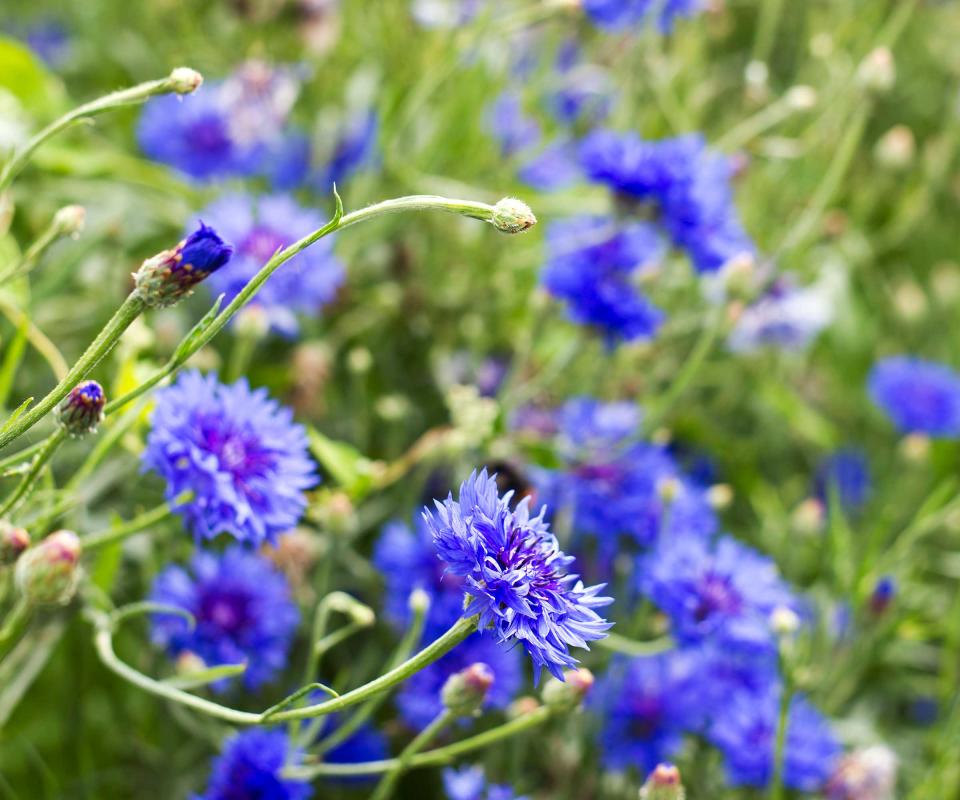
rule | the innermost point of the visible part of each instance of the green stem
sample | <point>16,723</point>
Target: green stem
<point>13,626</point>
<point>50,445</point>
<point>621,644</point>
<point>21,456</point>
<point>129,310</point>
<point>390,778</point>
<point>770,12</point>
<point>50,234</point>
<point>141,522</point>
<point>124,97</point>
<point>779,753</point>
<point>432,758</point>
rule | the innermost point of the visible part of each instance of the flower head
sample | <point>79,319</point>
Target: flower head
<point>516,574</point>
<point>469,783</point>
<point>250,767</point>
<point>242,608</point>
<point>591,263</point>
<point>237,451</point>
<point>715,591</point>
<point>258,228</point>
<point>82,410</point>
<point>618,15</point>
<point>171,275</point>
<point>918,396</point>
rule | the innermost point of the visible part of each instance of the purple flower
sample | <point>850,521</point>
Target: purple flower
<point>354,149</point>
<point>618,15</point>
<point>250,767</point>
<point>239,453</point>
<point>242,608</point>
<point>510,126</point>
<point>554,167</point>
<point>591,262</point>
<point>745,732</point>
<point>785,316</point>
<point>847,473</point>
<point>258,227</point>
<point>918,396</point>
<point>715,591</point>
<point>516,574</point>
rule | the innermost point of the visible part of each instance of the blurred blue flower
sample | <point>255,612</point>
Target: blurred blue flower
<point>715,591</point>
<point>591,262</point>
<point>689,185</point>
<point>47,38</point>
<point>846,472</point>
<point>237,450</point>
<point>354,149</point>
<point>365,744</point>
<point>242,608</point>
<point>617,15</point>
<point>918,396</point>
<point>469,783</point>
<point>745,732</point>
<point>258,227</point>
<point>250,766</point>
<point>509,124</point>
<point>883,594</point>
<point>516,574</point>
<point>646,705</point>
<point>554,167</point>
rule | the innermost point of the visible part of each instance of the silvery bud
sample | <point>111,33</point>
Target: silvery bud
<point>877,72</point>
<point>69,220</point>
<point>512,216</point>
<point>184,80</point>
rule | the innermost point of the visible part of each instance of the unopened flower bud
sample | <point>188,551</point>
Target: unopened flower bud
<point>915,447</point>
<point>720,495</point>
<point>522,706</point>
<point>883,594</point>
<point>877,72</point>
<point>171,275</point>
<point>184,80</point>
<point>802,98</point>
<point>784,621</point>
<point>663,784</point>
<point>896,148</point>
<point>868,774</point>
<point>465,692</point>
<point>419,601</point>
<point>359,360</point>
<point>569,693</point>
<point>188,663</point>
<point>668,489</point>
<point>48,573</point>
<point>808,517</point>
<point>69,220</point>
<point>512,216</point>
<point>13,541</point>
<point>82,410</point>
<point>252,322</point>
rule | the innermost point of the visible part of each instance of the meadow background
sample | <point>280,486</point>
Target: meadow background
<point>841,120</point>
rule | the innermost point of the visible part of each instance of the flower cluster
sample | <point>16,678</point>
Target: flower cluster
<point>260,226</point>
<point>516,574</point>
<point>237,451</point>
<point>918,396</point>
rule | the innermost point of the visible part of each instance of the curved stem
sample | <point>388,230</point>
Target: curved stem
<point>140,522</point>
<point>40,341</point>
<point>50,445</point>
<point>124,97</point>
<point>129,310</point>
<point>621,644</point>
<point>388,783</point>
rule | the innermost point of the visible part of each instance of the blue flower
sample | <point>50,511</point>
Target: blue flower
<point>469,783</point>
<point>715,591</point>
<point>618,15</point>
<point>354,149</point>
<point>646,706</point>
<point>847,473</point>
<point>918,396</point>
<point>47,38</point>
<point>242,608</point>
<point>688,185</point>
<point>516,574</point>
<point>250,766</point>
<point>591,262</point>
<point>365,744</point>
<point>510,126</point>
<point>258,227</point>
<point>745,731</point>
<point>239,453</point>
<point>554,167</point>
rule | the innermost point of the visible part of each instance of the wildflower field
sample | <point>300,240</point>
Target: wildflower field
<point>480,400</point>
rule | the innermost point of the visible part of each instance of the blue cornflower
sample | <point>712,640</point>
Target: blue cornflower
<point>554,167</point>
<point>408,560</point>
<point>618,15</point>
<point>243,612</point>
<point>688,184</point>
<point>646,705</point>
<point>716,591</point>
<point>583,91</point>
<point>516,574</point>
<point>846,472</point>
<point>469,783</point>
<point>744,729</point>
<point>510,126</point>
<point>591,262</point>
<point>47,38</point>
<point>354,148</point>
<point>250,766</point>
<point>237,450</point>
<point>918,396</point>
<point>258,227</point>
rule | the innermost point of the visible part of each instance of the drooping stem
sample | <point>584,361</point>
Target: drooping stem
<point>129,310</point>
<point>50,445</point>
<point>390,778</point>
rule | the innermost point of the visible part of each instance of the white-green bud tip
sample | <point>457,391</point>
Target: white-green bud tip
<point>512,216</point>
<point>877,72</point>
<point>184,80</point>
<point>69,220</point>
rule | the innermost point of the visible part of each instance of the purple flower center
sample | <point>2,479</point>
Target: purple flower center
<point>238,452</point>
<point>262,242</point>
<point>647,714</point>
<point>209,135</point>
<point>716,596</point>
<point>229,612</point>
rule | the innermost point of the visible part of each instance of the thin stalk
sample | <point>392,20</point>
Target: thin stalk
<point>432,758</point>
<point>13,626</point>
<point>779,753</point>
<point>129,310</point>
<point>37,338</point>
<point>621,644</point>
<point>390,778</point>
<point>53,441</point>
<point>124,97</point>
<point>139,523</point>
<point>21,456</point>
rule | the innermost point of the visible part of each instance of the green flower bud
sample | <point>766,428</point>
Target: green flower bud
<point>48,573</point>
<point>69,220</point>
<point>663,784</point>
<point>512,216</point>
<point>567,694</point>
<point>184,80</point>
<point>82,410</point>
<point>465,692</point>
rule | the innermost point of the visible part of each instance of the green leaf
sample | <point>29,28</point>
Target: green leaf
<point>345,464</point>
<point>25,77</point>
<point>204,677</point>
<point>11,361</point>
<point>16,414</point>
